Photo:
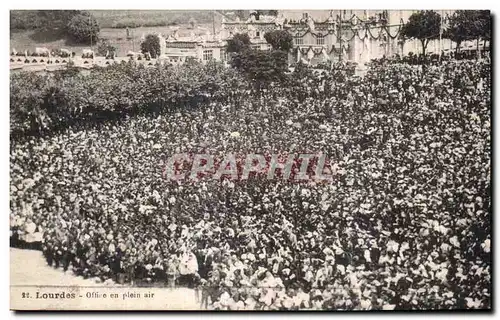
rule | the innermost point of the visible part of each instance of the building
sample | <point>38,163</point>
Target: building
<point>346,35</point>
<point>177,49</point>
<point>319,36</point>
<point>255,26</point>
<point>315,41</point>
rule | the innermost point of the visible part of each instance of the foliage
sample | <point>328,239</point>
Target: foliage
<point>60,53</point>
<point>457,30</point>
<point>469,25</point>
<point>484,25</point>
<point>152,45</point>
<point>46,102</point>
<point>191,61</point>
<point>105,49</point>
<point>424,26</point>
<point>41,19</point>
<point>302,70</point>
<point>238,43</point>
<point>241,14</point>
<point>279,40</point>
<point>192,23</point>
<point>273,13</point>
<point>126,24</point>
<point>23,20</point>
<point>478,23</point>
<point>57,18</point>
<point>261,67</point>
<point>83,28</point>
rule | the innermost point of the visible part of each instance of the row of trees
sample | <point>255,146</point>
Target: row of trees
<point>463,25</point>
<point>48,102</point>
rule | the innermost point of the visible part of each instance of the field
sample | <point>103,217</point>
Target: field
<point>149,18</point>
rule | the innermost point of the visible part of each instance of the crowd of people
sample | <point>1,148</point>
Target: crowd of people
<point>405,223</point>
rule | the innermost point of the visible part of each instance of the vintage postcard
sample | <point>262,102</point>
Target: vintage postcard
<point>250,160</point>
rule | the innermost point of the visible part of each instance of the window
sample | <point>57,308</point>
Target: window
<point>223,55</point>
<point>320,39</point>
<point>207,55</point>
<point>299,40</point>
<point>256,47</point>
<point>257,34</point>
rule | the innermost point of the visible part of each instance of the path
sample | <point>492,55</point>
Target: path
<point>28,267</point>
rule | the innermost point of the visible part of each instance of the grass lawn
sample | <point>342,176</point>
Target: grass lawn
<point>149,18</point>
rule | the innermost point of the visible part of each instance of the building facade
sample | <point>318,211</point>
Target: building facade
<point>319,36</point>
<point>346,35</point>
<point>177,49</point>
<point>256,27</point>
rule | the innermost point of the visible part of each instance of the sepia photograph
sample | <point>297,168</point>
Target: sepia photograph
<point>250,160</point>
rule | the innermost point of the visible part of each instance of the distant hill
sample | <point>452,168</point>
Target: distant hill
<point>149,18</point>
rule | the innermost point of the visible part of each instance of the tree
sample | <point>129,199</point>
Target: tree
<point>152,45</point>
<point>279,40</point>
<point>482,27</point>
<point>484,24</point>
<point>57,18</point>
<point>469,25</point>
<point>83,28</point>
<point>261,67</point>
<point>105,49</point>
<point>457,30</point>
<point>273,13</point>
<point>239,43</point>
<point>41,19</point>
<point>302,71</point>
<point>478,25</point>
<point>241,14</point>
<point>192,23</point>
<point>23,20</point>
<point>424,26</point>
<point>476,22</point>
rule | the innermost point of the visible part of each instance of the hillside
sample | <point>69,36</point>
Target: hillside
<point>149,18</point>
